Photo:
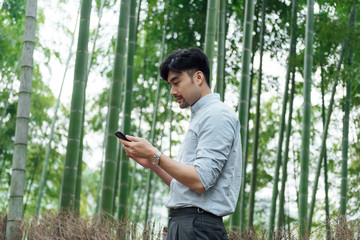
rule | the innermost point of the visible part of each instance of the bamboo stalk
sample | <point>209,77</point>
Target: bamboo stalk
<point>243,102</point>
<point>111,152</point>
<point>15,213</point>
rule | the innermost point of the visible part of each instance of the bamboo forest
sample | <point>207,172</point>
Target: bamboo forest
<point>75,72</point>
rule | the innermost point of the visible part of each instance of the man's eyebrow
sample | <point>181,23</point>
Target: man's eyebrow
<point>173,79</point>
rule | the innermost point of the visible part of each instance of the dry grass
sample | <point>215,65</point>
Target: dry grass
<point>60,226</point>
<point>67,226</point>
<point>2,227</point>
<point>253,234</point>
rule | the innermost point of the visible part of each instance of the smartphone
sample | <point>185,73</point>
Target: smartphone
<point>121,136</point>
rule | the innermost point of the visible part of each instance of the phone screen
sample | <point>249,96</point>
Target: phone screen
<point>122,136</point>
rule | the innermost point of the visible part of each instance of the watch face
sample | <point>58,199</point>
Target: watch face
<point>155,161</point>
<point>156,158</point>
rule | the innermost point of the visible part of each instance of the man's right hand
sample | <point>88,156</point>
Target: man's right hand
<point>140,150</point>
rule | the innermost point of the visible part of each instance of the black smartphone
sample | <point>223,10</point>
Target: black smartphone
<point>122,136</point>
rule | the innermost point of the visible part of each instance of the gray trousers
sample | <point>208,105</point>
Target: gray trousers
<point>195,223</point>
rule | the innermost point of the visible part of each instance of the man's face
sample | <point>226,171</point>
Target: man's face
<point>184,88</point>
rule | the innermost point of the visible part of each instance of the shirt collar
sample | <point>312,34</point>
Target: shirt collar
<point>207,99</point>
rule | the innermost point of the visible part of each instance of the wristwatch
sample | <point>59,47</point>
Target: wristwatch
<point>156,158</point>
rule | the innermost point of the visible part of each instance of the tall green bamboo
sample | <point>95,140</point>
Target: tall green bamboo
<point>344,156</point>
<point>152,139</point>
<point>150,178</point>
<point>305,141</point>
<point>280,143</point>
<point>142,187</point>
<point>324,135</point>
<point>142,105</point>
<point>144,174</point>
<point>126,126</point>
<point>323,144</point>
<point>243,101</point>
<point>133,175</point>
<point>246,147</point>
<point>15,213</point>
<point>291,69</point>
<point>52,127</point>
<point>99,186</point>
<point>132,179</point>
<point>347,107</point>
<point>326,184</point>
<point>111,149</point>
<point>220,73</point>
<point>154,120</point>
<point>281,213</point>
<point>67,197</point>
<point>278,162</point>
<point>210,31</point>
<point>81,150</point>
<point>257,121</point>
<point>157,180</point>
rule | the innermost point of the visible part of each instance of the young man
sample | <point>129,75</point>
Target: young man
<point>205,179</point>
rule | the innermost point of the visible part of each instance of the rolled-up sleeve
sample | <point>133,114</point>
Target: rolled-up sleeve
<point>215,139</point>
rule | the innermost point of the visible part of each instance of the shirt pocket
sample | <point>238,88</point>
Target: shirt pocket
<point>188,148</point>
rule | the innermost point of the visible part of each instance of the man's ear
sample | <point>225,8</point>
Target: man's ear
<point>199,77</point>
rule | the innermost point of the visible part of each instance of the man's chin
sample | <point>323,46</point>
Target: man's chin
<point>183,105</point>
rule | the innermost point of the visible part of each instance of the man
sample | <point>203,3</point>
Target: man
<point>205,179</point>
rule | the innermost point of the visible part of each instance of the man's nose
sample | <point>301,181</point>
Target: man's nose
<point>172,91</point>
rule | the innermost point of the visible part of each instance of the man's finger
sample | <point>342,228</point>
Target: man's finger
<point>132,138</point>
<point>124,142</point>
<point>130,156</point>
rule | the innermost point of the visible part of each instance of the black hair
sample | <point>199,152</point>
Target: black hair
<point>189,60</point>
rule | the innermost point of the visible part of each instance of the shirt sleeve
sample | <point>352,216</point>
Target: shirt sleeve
<point>215,139</point>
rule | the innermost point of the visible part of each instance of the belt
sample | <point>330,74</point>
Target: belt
<point>177,212</point>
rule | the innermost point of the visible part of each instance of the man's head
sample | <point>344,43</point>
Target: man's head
<point>187,71</point>
<point>186,60</point>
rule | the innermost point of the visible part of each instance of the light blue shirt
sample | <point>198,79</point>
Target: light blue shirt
<point>213,145</point>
